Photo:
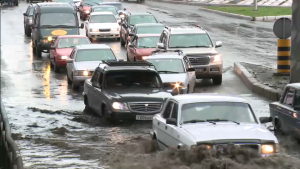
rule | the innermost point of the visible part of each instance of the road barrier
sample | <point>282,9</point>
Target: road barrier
<point>283,56</point>
<point>10,157</point>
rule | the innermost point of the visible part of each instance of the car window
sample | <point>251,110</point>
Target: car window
<point>168,110</point>
<point>118,6</point>
<point>132,79</point>
<point>106,9</point>
<point>189,41</point>
<point>100,80</point>
<point>67,19</point>
<point>72,42</point>
<point>103,19</point>
<point>147,42</point>
<point>174,111</point>
<point>95,77</point>
<point>289,98</point>
<point>95,55</point>
<point>297,100</point>
<point>142,19</point>
<point>174,65</point>
<point>234,111</point>
<point>150,29</point>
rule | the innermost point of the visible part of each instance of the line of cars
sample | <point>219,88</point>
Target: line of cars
<point>161,62</point>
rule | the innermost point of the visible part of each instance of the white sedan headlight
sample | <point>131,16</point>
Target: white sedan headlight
<point>115,29</point>
<point>94,30</point>
<point>268,149</point>
<point>119,106</point>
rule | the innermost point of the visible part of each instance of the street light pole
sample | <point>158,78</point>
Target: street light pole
<point>255,5</point>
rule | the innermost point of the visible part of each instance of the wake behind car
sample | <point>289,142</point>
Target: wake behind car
<point>196,43</point>
<point>62,49</point>
<point>47,27</point>
<point>28,22</point>
<point>102,25</point>
<point>121,90</point>
<point>130,20</point>
<point>175,71</point>
<point>214,121</point>
<point>286,112</point>
<point>141,46</point>
<point>84,59</point>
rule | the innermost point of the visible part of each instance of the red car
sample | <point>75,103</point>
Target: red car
<point>84,11</point>
<point>62,49</point>
<point>141,46</point>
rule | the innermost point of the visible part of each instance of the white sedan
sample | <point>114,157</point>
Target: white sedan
<point>102,25</point>
<point>191,120</point>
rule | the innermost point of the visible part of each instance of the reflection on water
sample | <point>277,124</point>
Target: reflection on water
<point>63,91</point>
<point>47,82</point>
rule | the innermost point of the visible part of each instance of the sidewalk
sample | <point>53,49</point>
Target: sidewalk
<point>283,3</point>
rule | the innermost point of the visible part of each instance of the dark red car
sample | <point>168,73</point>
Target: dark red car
<point>62,49</point>
<point>141,46</point>
<point>85,7</point>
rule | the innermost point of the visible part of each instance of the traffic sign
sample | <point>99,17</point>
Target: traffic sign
<point>283,28</point>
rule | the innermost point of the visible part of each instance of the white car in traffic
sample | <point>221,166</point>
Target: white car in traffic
<point>102,25</point>
<point>212,120</point>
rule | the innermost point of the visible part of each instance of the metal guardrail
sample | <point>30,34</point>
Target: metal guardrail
<point>10,157</point>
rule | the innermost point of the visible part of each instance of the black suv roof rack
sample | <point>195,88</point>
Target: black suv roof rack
<point>180,52</point>
<point>125,63</point>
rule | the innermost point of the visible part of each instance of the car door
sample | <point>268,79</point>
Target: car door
<point>34,29</point>
<point>161,133</point>
<point>98,94</point>
<point>26,17</point>
<point>296,114</point>
<point>172,136</point>
<point>191,75</point>
<point>91,94</point>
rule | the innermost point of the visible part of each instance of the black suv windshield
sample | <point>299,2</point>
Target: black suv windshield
<point>231,111</point>
<point>136,19</point>
<point>72,42</point>
<point>136,79</point>
<point>103,19</point>
<point>174,65</point>
<point>58,19</point>
<point>189,40</point>
<point>147,42</point>
<point>106,9</point>
<point>150,29</point>
<point>95,55</point>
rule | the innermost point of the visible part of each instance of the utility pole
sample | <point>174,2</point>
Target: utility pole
<point>295,51</point>
<point>255,5</point>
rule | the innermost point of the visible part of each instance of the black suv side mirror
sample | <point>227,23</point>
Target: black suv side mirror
<point>171,121</point>
<point>25,14</point>
<point>265,119</point>
<point>82,26</point>
<point>190,69</point>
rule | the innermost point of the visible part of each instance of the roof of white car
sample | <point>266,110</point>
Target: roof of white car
<point>207,97</point>
<point>102,13</point>
<point>186,30</point>
<point>93,46</point>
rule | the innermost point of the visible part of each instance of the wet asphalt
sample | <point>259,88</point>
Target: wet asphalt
<point>48,119</point>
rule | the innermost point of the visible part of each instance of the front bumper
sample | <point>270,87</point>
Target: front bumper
<point>78,80</point>
<point>45,45</point>
<point>61,63</point>
<point>177,91</point>
<point>208,71</point>
<point>128,115</point>
<point>111,34</point>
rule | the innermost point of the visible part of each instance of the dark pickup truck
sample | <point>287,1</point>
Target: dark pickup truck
<point>121,90</point>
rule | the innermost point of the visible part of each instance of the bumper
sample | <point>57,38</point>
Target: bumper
<point>61,63</point>
<point>29,26</point>
<point>208,71</point>
<point>45,46</point>
<point>128,115</point>
<point>80,79</point>
<point>177,91</point>
<point>111,34</point>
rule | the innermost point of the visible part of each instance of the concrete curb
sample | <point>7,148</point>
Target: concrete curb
<point>228,14</point>
<point>255,86</point>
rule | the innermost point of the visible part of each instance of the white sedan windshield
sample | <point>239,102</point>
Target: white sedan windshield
<point>103,19</point>
<point>95,55</point>
<point>210,111</point>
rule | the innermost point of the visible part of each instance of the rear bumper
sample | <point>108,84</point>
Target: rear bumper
<point>111,34</point>
<point>45,46</point>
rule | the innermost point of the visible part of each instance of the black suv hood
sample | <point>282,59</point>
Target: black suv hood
<point>138,94</point>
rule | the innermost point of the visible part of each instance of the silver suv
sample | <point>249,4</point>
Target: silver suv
<point>195,42</point>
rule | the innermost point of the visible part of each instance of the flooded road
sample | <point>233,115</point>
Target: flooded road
<point>48,119</point>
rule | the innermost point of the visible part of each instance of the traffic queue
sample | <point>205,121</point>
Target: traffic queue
<point>158,80</point>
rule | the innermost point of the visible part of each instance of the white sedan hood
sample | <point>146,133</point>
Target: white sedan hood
<point>87,65</point>
<point>228,130</point>
<point>172,78</point>
<point>103,25</point>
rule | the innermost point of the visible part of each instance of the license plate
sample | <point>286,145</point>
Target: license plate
<point>199,70</point>
<point>143,117</point>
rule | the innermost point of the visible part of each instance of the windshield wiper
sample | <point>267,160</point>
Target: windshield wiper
<point>217,120</point>
<point>197,121</point>
<point>199,46</point>
<point>179,47</point>
<point>165,71</point>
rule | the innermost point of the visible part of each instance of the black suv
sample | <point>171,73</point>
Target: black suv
<point>28,19</point>
<point>130,20</point>
<point>121,90</point>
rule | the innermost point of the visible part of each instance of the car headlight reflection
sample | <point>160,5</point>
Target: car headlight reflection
<point>85,73</point>
<point>94,30</point>
<point>207,146</point>
<point>216,58</point>
<point>49,38</point>
<point>64,57</point>
<point>122,16</point>
<point>119,106</point>
<point>144,57</point>
<point>267,149</point>
<point>87,12</point>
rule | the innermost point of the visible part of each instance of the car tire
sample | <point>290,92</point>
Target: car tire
<point>105,116</point>
<point>28,32</point>
<point>278,129</point>
<point>56,68</point>
<point>74,86</point>
<point>128,60</point>
<point>217,80</point>
<point>188,89</point>
<point>38,51</point>
<point>86,102</point>
<point>68,79</point>
<point>51,64</point>
<point>122,42</point>
<point>134,59</point>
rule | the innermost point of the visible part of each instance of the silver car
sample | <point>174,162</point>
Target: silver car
<point>84,59</point>
<point>175,71</point>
